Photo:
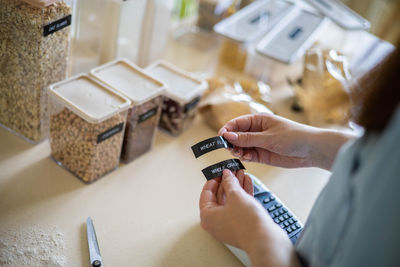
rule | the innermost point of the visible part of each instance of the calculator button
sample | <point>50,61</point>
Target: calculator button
<point>277,220</point>
<point>286,216</point>
<point>286,223</point>
<point>276,213</point>
<point>281,218</point>
<point>281,212</point>
<point>272,208</point>
<point>289,214</point>
<point>293,227</point>
<point>285,209</point>
<point>282,225</point>
<point>289,230</point>
<point>294,219</point>
<point>266,200</point>
<point>278,205</point>
<point>298,225</point>
<point>291,221</point>
<point>272,197</point>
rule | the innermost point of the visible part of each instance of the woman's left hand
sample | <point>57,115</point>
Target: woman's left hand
<point>229,212</point>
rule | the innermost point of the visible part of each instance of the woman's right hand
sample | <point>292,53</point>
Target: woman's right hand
<point>273,140</point>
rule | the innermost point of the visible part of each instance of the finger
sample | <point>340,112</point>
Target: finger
<point>248,185</point>
<point>208,196</point>
<point>240,177</point>
<point>220,195</point>
<point>248,123</point>
<point>229,182</point>
<point>246,139</point>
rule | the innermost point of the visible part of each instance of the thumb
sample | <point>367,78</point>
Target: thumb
<point>246,139</point>
<point>229,182</point>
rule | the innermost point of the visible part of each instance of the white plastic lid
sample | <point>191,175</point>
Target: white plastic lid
<point>129,80</point>
<point>254,20</point>
<point>180,85</point>
<point>89,99</point>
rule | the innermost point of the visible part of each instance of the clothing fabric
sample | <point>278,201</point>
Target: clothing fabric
<point>356,218</point>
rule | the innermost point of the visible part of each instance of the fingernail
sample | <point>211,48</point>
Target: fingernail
<point>231,136</point>
<point>247,156</point>
<point>226,173</point>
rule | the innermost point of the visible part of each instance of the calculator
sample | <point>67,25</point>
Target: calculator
<point>278,212</point>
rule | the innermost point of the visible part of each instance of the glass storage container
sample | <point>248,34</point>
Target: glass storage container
<point>182,95</point>
<point>34,47</point>
<point>87,122</point>
<point>145,94</point>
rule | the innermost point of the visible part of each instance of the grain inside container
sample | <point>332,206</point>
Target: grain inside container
<point>181,98</point>
<point>145,94</point>
<point>87,122</point>
<point>34,46</point>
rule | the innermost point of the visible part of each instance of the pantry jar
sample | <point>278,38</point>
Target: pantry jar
<point>34,51</point>
<point>87,122</point>
<point>244,29</point>
<point>182,95</point>
<point>145,94</point>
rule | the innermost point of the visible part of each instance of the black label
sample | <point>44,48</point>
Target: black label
<point>192,104</point>
<point>209,145</point>
<point>216,170</point>
<point>257,19</point>
<point>147,115</point>
<point>295,33</point>
<point>110,132</point>
<point>57,25</point>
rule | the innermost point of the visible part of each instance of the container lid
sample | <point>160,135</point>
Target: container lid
<point>340,14</point>
<point>290,40</point>
<point>88,98</point>
<point>254,20</point>
<point>129,80</point>
<point>180,85</point>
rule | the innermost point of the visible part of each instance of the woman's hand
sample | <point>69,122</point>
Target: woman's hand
<point>229,212</point>
<point>273,140</point>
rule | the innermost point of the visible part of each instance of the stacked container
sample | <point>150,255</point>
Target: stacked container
<point>33,54</point>
<point>87,121</point>
<point>182,95</point>
<point>145,94</point>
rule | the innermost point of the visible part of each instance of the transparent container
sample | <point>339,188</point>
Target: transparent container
<point>136,29</point>
<point>182,95</point>
<point>210,12</point>
<point>33,54</point>
<point>281,52</point>
<point>87,122</point>
<point>245,28</point>
<point>88,33</point>
<point>145,94</point>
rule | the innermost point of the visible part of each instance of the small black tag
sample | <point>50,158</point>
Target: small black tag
<point>110,132</point>
<point>216,170</point>
<point>209,145</point>
<point>192,104</point>
<point>57,25</point>
<point>147,114</point>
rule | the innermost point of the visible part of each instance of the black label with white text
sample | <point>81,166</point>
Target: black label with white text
<point>57,25</point>
<point>147,114</point>
<point>216,170</point>
<point>209,145</point>
<point>110,132</point>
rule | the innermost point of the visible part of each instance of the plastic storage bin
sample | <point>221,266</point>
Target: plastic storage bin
<point>245,28</point>
<point>87,122</point>
<point>33,54</point>
<point>181,98</point>
<point>145,94</point>
<point>280,52</point>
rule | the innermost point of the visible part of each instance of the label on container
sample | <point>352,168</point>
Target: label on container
<point>147,115</point>
<point>192,104</point>
<point>56,25</point>
<point>216,170</point>
<point>209,145</point>
<point>110,132</point>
